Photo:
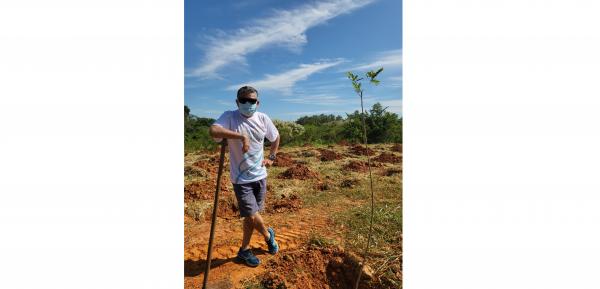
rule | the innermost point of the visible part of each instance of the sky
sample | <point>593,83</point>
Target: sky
<point>295,53</point>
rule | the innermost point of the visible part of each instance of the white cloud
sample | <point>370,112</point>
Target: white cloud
<point>316,99</point>
<point>388,60</point>
<point>313,112</point>
<point>227,103</point>
<point>393,81</point>
<point>285,28</point>
<point>284,82</point>
<point>394,105</point>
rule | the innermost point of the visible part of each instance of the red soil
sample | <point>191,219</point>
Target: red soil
<point>327,155</point>
<point>290,203</point>
<point>361,150</point>
<point>204,190</point>
<point>317,268</point>
<point>227,209</point>
<point>283,160</point>
<point>210,167</point>
<point>357,166</point>
<point>388,158</point>
<point>299,172</point>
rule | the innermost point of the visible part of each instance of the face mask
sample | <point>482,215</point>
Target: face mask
<point>247,109</point>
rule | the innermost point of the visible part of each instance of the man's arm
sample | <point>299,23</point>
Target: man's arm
<point>218,131</point>
<point>274,148</point>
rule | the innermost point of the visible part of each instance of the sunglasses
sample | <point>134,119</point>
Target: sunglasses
<point>244,100</point>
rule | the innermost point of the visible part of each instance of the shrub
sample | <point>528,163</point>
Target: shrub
<point>288,130</point>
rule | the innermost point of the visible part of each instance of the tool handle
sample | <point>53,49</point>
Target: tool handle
<point>214,213</point>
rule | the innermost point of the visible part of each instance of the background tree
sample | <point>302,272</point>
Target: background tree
<point>196,135</point>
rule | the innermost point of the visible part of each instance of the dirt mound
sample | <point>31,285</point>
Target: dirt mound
<point>210,167</point>
<point>344,143</point>
<point>361,150</point>
<point>202,209</point>
<point>348,183</point>
<point>327,155</point>
<point>391,172</point>
<point>290,203</point>
<point>307,145</point>
<point>196,191</point>
<point>387,158</point>
<point>283,160</point>
<point>397,148</point>
<point>299,172</point>
<point>204,190</point>
<point>227,210</point>
<point>357,166</point>
<point>324,186</point>
<point>316,268</point>
<point>274,281</point>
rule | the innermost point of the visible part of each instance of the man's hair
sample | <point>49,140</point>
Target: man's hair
<point>245,90</point>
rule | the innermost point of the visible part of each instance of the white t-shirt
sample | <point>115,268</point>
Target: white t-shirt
<point>247,167</point>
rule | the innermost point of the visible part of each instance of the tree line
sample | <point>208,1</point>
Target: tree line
<point>382,127</point>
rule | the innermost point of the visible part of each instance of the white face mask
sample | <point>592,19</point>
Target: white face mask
<point>247,109</point>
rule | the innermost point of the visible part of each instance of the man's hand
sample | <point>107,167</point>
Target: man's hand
<point>245,143</point>
<point>267,162</point>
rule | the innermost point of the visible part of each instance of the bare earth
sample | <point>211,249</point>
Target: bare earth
<point>307,192</point>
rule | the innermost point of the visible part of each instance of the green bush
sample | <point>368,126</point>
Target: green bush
<point>288,131</point>
<point>196,135</point>
<point>382,126</point>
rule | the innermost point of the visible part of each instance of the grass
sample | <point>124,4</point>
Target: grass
<point>319,197</point>
<point>196,209</point>
<point>252,283</point>
<point>385,252</point>
<point>318,241</point>
<point>387,225</point>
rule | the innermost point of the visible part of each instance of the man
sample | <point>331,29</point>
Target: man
<point>245,130</point>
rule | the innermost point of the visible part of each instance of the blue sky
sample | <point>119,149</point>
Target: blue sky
<point>295,53</point>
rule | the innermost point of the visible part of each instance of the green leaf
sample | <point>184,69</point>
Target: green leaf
<point>350,75</point>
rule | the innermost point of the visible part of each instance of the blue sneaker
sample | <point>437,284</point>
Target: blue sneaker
<point>273,247</point>
<point>248,258</point>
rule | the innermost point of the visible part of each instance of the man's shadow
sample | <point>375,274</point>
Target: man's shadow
<point>196,267</point>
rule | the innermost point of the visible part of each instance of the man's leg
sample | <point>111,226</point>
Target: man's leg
<point>259,193</point>
<point>248,228</point>
<point>247,206</point>
<point>260,227</point>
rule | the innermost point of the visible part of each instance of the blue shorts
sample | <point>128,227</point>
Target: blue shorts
<point>250,197</point>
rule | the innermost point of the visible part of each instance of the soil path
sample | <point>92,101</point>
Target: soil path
<point>292,230</point>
